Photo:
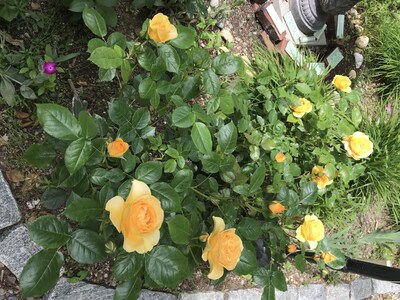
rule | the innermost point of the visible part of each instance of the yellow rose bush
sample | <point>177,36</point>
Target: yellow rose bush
<point>139,218</point>
<point>182,164</point>
<point>223,249</point>
<point>160,29</point>
<point>358,145</point>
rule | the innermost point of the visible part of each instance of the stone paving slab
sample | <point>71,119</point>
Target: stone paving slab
<point>312,291</point>
<point>16,247</point>
<point>384,287</point>
<point>9,212</point>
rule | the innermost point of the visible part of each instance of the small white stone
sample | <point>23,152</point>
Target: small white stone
<point>227,35</point>
<point>214,3</point>
<point>352,74</point>
<point>359,28</point>
<point>359,58</point>
<point>362,42</point>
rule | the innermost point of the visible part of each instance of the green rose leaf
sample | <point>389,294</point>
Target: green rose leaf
<point>300,263</point>
<point>179,229</point>
<point>126,70</point>
<point>185,39</point>
<point>83,209</point>
<point>141,118</point>
<point>41,273</point>
<point>53,198</point>
<point>147,88</point>
<point>227,138</point>
<point>129,290</point>
<point>227,105</point>
<point>106,58</point>
<point>116,38</point>
<point>211,162</point>
<point>95,43</point>
<point>169,198</point>
<point>262,276</point>
<point>170,58</point>
<point>58,121</point>
<point>303,88</point>
<point>279,280</point>
<point>128,266</point>
<point>182,180</point>
<point>257,179</point>
<point>146,58</point>
<point>249,229</point>
<point>183,117</point>
<point>40,155</point>
<point>268,292</point>
<point>77,154</point>
<point>166,265</point>
<point>49,231</point>
<point>149,172</point>
<point>129,162</point>
<point>356,116</point>
<point>120,112</point>
<point>211,82</point>
<point>94,21</point>
<point>308,193</point>
<point>201,137</point>
<point>226,64</point>
<point>86,247</point>
<point>88,125</point>
<point>247,263</point>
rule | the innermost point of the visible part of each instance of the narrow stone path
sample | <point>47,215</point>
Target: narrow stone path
<point>16,248</point>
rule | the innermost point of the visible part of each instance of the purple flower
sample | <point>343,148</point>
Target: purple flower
<point>49,67</point>
<point>389,108</point>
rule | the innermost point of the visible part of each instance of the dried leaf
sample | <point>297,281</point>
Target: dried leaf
<point>14,176</point>
<point>21,115</point>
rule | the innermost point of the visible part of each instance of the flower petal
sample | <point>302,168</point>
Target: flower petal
<point>133,243</point>
<point>216,271</point>
<point>138,189</point>
<point>312,244</point>
<point>116,207</point>
<point>219,225</point>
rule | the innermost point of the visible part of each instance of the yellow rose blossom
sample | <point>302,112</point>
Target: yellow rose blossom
<point>276,208</point>
<point>117,148</point>
<point>160,29</point>
<point>139,218</point>
<point>320,178</point>
<point>342,83</point>
<point>304,107</point>
<point>358,145</point>
<point>328,257</point>
<point>280,157</point>
<point>312,231</point>
<point>223,249</point>
<point>292,248</point>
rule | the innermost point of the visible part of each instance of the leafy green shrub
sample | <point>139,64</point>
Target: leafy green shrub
<point>262,151</point>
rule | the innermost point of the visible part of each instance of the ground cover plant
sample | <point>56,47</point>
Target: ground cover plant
<point>201,162</point>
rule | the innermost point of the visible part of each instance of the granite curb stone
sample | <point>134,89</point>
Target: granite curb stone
<point>360,289</point>
<point>340,291</point>
<point>202,296</point>
<point>383,287</point>
<point>9,212</point>
<point>312,291</point>
<point>16,247</point>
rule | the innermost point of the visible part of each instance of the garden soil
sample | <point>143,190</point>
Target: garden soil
<point>19,129</point>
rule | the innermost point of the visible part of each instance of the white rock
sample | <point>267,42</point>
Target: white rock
<point>359,58</point>
<point>352,74</point>
<point>214,3</point>
<point>227,35</point>
<point>362,42</point>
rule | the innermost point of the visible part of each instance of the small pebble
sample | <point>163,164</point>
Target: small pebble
<point>362,42</point>
<point>352,74</point>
